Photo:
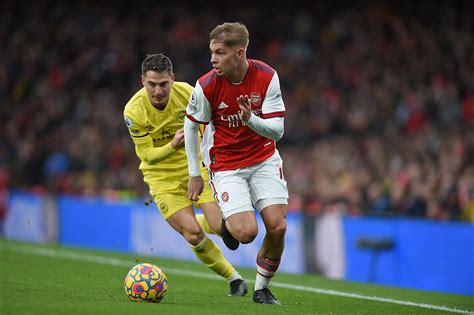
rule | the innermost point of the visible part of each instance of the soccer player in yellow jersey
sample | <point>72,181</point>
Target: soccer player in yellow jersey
<point>155,118</point>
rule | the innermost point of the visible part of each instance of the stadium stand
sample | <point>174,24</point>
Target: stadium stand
<point>379,96</point>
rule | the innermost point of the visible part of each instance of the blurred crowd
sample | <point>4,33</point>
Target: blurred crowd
<point>379,96</point>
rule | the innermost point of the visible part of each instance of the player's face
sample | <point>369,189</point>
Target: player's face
<point>224,59</point>
<point>158,87</point>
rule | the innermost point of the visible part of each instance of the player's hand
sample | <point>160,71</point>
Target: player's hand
<point>178,140</point>
<point>195,187</point>
<point>245,107</point>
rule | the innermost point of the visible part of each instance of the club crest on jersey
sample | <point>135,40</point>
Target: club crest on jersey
<point>255,98</point>
<point>163,207</point>
<point>180,117</point>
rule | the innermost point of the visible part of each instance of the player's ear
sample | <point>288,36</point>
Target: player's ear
<point>143,80</point>
<point>240,53</point>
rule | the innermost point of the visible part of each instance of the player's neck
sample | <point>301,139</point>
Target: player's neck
<point>238,76</point>
<point>158,106</point>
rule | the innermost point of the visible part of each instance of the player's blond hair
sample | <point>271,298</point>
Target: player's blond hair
<point>231,34</point>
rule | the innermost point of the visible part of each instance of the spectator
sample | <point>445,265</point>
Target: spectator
<point>380,96</point>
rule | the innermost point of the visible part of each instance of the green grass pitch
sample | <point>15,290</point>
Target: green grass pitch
<point>47,279</point>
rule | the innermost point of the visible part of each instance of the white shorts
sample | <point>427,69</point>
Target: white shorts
<point>258,186</point>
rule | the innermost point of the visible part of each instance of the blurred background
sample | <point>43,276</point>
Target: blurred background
<point>379,101</point>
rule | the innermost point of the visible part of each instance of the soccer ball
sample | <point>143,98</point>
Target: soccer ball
<point>145,283</point>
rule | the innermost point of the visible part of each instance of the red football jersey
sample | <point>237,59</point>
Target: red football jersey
<point>229,144</point>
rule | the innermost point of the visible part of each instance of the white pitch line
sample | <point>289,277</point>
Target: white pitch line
<point>370,298</point>
<point>125,263</point>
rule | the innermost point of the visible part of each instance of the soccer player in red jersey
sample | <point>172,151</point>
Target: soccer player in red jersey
<point>240,102</point>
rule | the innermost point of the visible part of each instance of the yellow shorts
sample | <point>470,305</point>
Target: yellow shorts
<point>170,201</point>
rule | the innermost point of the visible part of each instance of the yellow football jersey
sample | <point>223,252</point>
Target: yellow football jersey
<point>152,130</point>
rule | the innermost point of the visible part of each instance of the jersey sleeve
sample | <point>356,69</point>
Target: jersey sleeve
<point>135,128</point>
<point>273,105</point>
<point>271,128</point>
<point>192,143</point>
<point>199,108</point>
<point>144,142</point>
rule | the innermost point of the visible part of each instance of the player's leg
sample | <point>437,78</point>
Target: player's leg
<point>208,252</point>
<point>204,223</point>
<point>231,191</point>
<point>274,218</point>
<point>176,208</point>
<point>178,211</point>
<point>184,222</point>
<point>271,250</point>
<point>243,226</point>
<point>210,220</point>
<point>270,196</point>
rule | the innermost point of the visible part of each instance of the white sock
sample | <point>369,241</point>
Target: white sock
<point>261,282</point>
<point>266,269</point>
<point>236,275</point>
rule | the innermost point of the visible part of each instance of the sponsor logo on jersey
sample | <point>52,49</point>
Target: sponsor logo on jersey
<point>232,120</point>
<point>166,134</point>
<point>149,127</point>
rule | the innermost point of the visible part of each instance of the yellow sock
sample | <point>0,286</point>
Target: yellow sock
<point>211,255</point>
<point>204,224</point>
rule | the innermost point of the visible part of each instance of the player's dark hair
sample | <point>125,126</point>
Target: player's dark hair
<point>231,34</point>
<point>158,63</point>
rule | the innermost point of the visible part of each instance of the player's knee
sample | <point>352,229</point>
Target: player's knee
<point>246,236</point>
<point>193,236</point>
<point>278,229</point>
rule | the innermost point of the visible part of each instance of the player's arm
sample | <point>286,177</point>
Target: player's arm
<point>153,155</point>
<point>191,138</point>
<point>144,142</point>
<point>273,110</point>
<point>272,128</point>
<point>197,111</point>
<point>195,182</point>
